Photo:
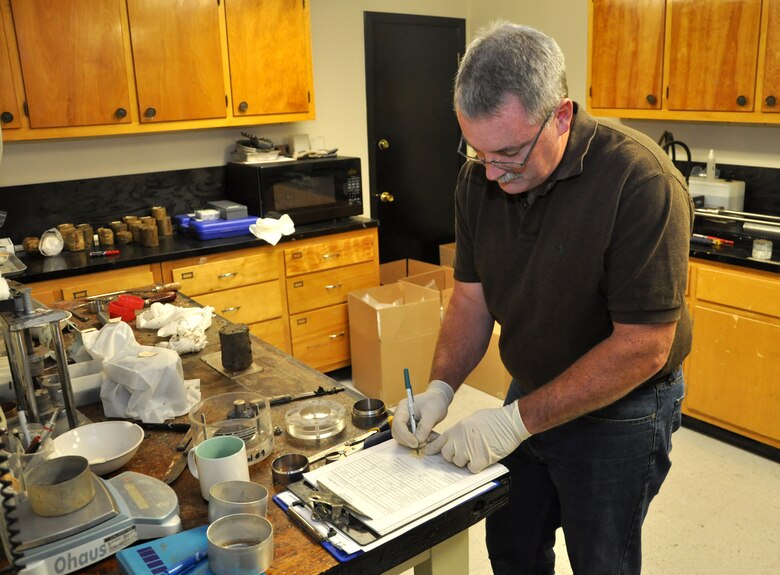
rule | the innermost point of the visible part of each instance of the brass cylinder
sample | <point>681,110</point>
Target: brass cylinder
<point>106,236</point>
<point>88,233</point>
<point>165,226</point>
<point>30,245</point>
<point>124,237</point>
<point>149,237</point>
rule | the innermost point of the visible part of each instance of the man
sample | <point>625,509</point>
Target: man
<point>572,234</point>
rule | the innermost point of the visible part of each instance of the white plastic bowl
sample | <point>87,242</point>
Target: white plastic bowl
<point>107,445</point>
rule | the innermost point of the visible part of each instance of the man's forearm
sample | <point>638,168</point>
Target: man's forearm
<point>464,337</point>
<point>630,356</point>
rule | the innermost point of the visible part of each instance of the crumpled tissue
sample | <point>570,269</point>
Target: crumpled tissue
<point>271,229</point>
<point>51,242</point>
<point>186,325</point>
<point>141,382</point>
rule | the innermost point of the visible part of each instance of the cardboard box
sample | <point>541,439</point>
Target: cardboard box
<point>447,254</point>
<point>442,280</point>
<point>490,375</point>
<point>394,271</point>
<point>396,329</point>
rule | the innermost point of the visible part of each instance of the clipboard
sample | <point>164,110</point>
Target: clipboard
<point>340,545</point>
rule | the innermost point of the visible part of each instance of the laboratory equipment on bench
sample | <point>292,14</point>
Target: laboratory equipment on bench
<point>126,508</point>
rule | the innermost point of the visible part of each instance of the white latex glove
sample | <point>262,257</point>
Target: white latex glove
<point>481,439</point>
<point>430,408</point>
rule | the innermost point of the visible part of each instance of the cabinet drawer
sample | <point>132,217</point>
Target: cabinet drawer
<point>211,276</point>
<point>106,282</point>
<point>330,287</point>
<point>328,254</point>
<point>271,332</point>
<point>739,290</point>
<point>248,304</point>
<point>320,338</point>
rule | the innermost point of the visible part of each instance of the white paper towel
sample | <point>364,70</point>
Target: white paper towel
<point>271,229</point>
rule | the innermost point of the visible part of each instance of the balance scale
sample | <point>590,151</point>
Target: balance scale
<point>126,508</point>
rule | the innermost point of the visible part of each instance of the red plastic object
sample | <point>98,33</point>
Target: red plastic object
<point>130,301</point>
<point>116,310</point>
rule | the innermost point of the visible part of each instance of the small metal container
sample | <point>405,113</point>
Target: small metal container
<point>240,544</point>
<point>368,413</point>
<point>289,468</point>
<point>60,486</point>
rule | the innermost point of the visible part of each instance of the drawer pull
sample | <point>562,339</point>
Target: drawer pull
<point>227,275</point>
<point>328,256</point>
<point>336,335</point>
<point>333,286</point>
<point>231,309</point>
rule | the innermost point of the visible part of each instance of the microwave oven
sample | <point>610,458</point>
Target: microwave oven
<point>309,191</point>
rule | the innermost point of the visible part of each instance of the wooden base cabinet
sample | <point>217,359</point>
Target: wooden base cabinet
<point>732,371</point>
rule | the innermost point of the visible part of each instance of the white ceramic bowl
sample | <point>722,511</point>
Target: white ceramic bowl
<point>107,445</point>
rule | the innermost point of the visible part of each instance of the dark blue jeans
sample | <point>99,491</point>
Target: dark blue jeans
<point>595,477</point>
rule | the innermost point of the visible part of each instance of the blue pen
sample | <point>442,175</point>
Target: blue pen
<point>186,564</point>
<point>410,400</point>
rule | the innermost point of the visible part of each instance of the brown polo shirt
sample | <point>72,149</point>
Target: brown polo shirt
<point>605,238</point>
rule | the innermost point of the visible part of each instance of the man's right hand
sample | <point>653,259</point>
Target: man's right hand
<point>430,408</point>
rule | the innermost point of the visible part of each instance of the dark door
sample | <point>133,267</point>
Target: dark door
<point>412,130</point>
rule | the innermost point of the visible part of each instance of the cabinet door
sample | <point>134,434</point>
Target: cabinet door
<point>73,61</point>
<point>270,56</point>
<point>10,103</point>
<point>733,366</point>
<point>771,90</point>
<point>320,338</point>
<point>178,59</point>
<point>627,46</point>
<point>713,55</point>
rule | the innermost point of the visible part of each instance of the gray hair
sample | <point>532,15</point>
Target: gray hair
<point>506,60</point>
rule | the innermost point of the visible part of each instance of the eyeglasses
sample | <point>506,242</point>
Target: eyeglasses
<point>505,165</point>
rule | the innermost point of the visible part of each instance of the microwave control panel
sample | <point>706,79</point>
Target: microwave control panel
<point>352,189</point>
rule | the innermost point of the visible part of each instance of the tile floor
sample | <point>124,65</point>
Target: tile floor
<point>717,513</point>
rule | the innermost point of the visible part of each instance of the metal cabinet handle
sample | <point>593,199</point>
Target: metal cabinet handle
<point>150,112</point>
<point>333,286</point>
<point>243,107</point>
<point>328,256</point>
<point>6,117</point>
<point>741,100</point>
<point>120,113</point>
<point>651,99</point>
<point>231,309</point>
<point>227,275</point>
<point>770,101</point>
<point>336,335</point>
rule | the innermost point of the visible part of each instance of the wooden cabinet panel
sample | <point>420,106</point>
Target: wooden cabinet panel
<point>270,56</point>
<point>329,254</point>
<point>713,63</point>
<point>73,61</point>
<point>770,93</point>
<point>10,101</point>
<point>626,55</point>
<point>177,54</point>
<point>271,332</point>
<point>320,338</point>
<point>106,282</point>
<point>741,290</point>
<point>247,304</point>
<point>330,287</point>
<point>733,369</point>
<point>226,273</point>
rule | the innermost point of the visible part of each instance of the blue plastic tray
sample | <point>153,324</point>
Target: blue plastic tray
<point>214,229</point>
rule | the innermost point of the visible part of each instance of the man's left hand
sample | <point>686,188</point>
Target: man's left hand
<point>481,439</point>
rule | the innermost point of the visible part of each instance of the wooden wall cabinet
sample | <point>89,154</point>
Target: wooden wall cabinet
<point>11,108</point>
<point>717,60</point>
<point>732,370</point>
<point>109,67</point>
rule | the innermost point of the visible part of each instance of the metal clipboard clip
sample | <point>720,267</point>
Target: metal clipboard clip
<point>330,511</point>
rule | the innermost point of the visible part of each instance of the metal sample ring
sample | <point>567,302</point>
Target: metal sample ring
<point>367,413</point>
<point>289,468</point>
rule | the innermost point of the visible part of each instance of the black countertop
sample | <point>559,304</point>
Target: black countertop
<point>178,246</point>
<point>739,254</point>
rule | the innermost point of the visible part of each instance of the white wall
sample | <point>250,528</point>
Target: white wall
<point>339,72</point>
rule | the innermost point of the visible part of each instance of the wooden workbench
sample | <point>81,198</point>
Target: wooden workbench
<point>433,543</point>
